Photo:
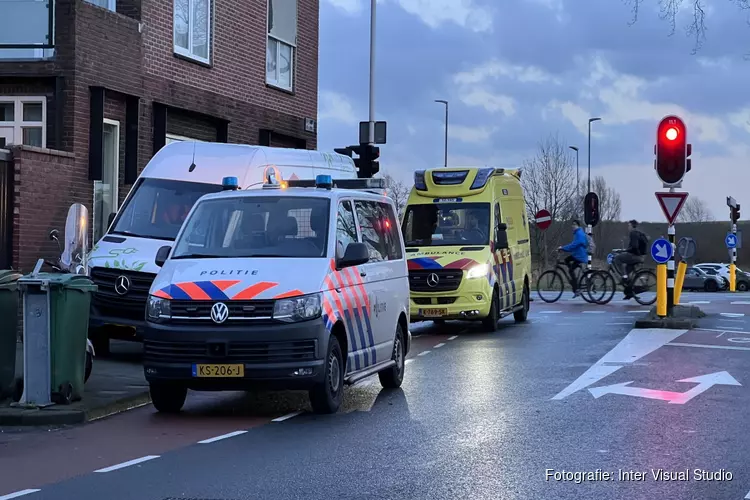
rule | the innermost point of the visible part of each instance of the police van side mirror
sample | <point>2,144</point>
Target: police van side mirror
<point>501,236</point>
<point>162,255</point>
<point>356,254</point>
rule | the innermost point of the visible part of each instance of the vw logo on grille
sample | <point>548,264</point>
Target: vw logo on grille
<point>219,312</point>
<point>433,279</point>
<point>122,285</point>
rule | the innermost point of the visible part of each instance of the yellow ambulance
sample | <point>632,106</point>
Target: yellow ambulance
<point>467,244</point>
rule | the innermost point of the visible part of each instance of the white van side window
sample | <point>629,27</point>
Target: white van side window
<point>346,229</point>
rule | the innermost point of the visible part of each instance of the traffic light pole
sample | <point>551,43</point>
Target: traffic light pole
<point>733,265</point>
<point>588,249</point>
<point>670,271</point>
<point>371,125</point>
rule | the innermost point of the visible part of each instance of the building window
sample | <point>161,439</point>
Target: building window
<point>22,121</point>
<point>282,43</point>
<point>192,29</point>
<point>106,194</point>
<point>105,4</point>
<point>179,138</point>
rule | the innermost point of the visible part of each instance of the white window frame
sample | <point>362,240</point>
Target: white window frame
<point>18,124</point>
<point>188,52</point>
<point>116,187</point>
<point>293,52</point>
<point>111,5</point>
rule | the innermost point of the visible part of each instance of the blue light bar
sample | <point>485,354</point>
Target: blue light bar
<point>324,181</point>
<point>230,183</point>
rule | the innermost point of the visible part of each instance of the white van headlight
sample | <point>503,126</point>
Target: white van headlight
<point>297,308</point>
<point>158,308</point>
<point>479,271</point>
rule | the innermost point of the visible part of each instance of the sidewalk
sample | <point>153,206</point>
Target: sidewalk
<point>116,384</point>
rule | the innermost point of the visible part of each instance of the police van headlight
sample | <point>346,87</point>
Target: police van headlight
<point>297,308</point>
<point>157,308</point>
<point>479,271</point>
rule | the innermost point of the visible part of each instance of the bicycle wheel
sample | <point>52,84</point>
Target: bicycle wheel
<point>644,287</point>
<point>583,285</point>
<point>550,286</point>
<point>601,287</point>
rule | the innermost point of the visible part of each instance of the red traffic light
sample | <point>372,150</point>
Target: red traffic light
<point>672,150</point>
<point>672,134</point>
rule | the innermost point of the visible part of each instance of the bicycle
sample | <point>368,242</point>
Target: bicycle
<point>553,280</point>
<point>604,281</point>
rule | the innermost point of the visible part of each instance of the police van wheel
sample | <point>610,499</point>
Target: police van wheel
<point>326,397</point>
<point>391,378</point>
<point>168,398</point>
<point>520,316</point>
<point>490,322</point>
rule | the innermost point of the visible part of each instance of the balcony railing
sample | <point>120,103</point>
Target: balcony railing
<point>27,28</point>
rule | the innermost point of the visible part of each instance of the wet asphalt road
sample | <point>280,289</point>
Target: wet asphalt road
<point>478,416</point>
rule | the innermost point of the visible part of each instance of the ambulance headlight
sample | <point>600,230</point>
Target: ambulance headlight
<point>297,308</point>
<point>479,271</point>
<point>158,309</point>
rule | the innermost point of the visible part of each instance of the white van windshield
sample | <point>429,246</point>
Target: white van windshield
<point>158,208</point>
<point>272,226</point>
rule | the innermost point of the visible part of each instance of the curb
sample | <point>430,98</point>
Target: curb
<point>59,415</point>
<point>671,323</point>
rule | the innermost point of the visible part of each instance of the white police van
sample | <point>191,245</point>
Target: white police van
<point>304,287</point>
<point>122,261</point>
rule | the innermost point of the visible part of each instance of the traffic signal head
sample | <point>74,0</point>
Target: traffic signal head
<point>367,164</point>
<point>735,213</point>
<point>672,150</point>
<point>591,209</point>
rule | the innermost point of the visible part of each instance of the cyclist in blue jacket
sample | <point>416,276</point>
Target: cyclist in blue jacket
<point>578,249</point>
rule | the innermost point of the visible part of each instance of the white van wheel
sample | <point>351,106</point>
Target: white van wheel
<point>392,377</point>
<point>326,397</point>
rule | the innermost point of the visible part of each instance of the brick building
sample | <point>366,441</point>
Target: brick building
<point>91,89</point>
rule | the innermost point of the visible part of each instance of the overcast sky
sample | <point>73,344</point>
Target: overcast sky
<point>533,67</point>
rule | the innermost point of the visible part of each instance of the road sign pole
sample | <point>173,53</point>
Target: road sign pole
<point>733,265</point>
<point>670,271</point>
<point>588,248</point>
<point>661,290</point>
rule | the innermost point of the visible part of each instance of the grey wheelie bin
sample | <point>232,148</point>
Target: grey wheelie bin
<point>8,330</point>
<point>68,313</point>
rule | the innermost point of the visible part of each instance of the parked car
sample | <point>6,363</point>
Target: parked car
<point>714,272</point>
<point>743,278</point>
<point>697,279</point>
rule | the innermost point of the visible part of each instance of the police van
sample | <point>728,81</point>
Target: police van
<point>467,241</point>
<point>299,287</point>
<point>122,261</point>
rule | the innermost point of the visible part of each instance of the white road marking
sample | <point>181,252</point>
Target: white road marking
<point>613,324</point>
<point>748,495</point>
<point>135,461</point>
<point>453,337</point>
<point>705,346</point>
<point>705,382</point>
<point>550,312</point>
<point>699,302</point>
<point>637,344</point>
<point>223,436</point>
<point>438,346</point>
<point>593,312</point>
<point>717,330</point>
<point>423,353</point>
<point>17,494</point>
<point>288,416</point>
<point>640,311</point>
<point>732,315</point>
<point>409,361</point>
<point>741,303</point>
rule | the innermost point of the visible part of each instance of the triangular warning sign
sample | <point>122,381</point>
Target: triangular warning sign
<point>671,204</point>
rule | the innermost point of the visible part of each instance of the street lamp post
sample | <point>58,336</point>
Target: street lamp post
<point>446,129</point>
<point>590,121</point>
<point>578,182</point>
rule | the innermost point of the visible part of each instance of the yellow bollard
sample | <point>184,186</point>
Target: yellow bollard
<point>661,290</point>
<point>678,281</point>
<point>732,278</point>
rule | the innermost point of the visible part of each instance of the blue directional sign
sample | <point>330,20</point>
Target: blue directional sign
<point>610,258</point>
<point>661,251</point>
<point>731,241</point>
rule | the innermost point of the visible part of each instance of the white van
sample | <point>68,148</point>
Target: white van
<point>122,262</point>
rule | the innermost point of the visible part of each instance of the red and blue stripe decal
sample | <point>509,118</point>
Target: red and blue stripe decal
<point>432,263</point>
<point>217,290</point>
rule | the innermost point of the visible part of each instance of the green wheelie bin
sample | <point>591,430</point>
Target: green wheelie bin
<point>70,300</point>
<point>8,330</point>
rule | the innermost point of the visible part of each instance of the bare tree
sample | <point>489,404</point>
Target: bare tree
<point>548,181</point>
<point>696,27</point>
<point>695,210</point>
<point>397,191</point>
<point>610,204</point>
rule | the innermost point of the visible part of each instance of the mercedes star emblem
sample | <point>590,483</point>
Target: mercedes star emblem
<point>433,279</point>
<point>122,285</point>
<point>219,312</point>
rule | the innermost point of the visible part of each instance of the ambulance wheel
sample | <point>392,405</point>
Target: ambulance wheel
<point>392,377</point>
<point>490,322</point>
<point>168,398</point>
<point>326,397</point>
<point>521,315</point>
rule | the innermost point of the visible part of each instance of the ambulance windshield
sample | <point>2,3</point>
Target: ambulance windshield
<point>270,226</point>
<point>445,224</point>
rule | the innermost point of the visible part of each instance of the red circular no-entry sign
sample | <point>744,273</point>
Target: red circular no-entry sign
<point>543,219</point>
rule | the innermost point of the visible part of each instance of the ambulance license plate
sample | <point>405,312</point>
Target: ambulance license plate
<point>433,313</point>
<point>219,371</point>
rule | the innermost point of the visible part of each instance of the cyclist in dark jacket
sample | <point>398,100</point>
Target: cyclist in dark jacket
<point>625,261</point>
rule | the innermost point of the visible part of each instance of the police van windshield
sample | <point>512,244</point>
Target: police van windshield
<point>158,208</point>
<point>447,224</point>
<point>271,226</point>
